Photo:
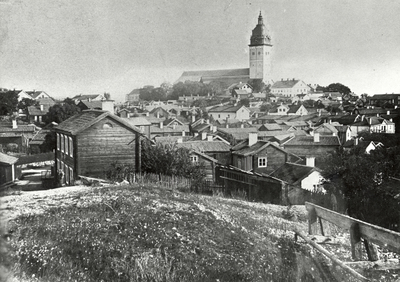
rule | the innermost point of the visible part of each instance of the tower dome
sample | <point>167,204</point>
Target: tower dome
<point>259,34</point>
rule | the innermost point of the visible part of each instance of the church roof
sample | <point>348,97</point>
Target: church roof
<point>229,76</point>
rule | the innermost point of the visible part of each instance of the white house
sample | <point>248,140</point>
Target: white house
<point>290,88</point>
<point>230,112</point>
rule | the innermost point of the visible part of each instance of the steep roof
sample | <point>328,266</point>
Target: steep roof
<point>137,121</point>
<point>225,109</point>
<point>285,83</point>
<point>294,108</point>
<point>87,118</point>
<point>205,146</point>
<point>324,140</point>
<point>259,34</point>
<point>293,173</point>
<point>7,159</point>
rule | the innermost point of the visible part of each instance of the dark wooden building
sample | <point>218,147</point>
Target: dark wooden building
<point>7,168</point>
<point>89,142</point>
<point>260,156</point>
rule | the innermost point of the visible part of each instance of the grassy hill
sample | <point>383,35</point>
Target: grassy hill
<point>137,233</point>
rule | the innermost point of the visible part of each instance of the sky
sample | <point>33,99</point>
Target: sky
<point>69,47</point>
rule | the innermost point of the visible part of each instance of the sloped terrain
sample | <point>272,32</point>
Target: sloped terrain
<point>137,233</point>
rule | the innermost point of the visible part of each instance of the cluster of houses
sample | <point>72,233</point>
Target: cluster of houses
<point>284,144</point>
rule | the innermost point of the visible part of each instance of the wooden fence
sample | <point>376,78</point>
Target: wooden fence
<point>358,229</point>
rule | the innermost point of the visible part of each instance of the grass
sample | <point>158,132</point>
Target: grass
<point>137,233</point>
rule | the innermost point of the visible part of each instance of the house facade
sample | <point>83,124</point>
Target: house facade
<point>89,142</point>
<point>260,156</point>
<point>290,88</point>
<point>230,112</point>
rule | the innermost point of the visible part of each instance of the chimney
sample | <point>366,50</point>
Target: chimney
<point>203,135</point>
<point>14,123</point>
<point>310,161</point>
<point>316,137</point>
<point>183,133</point>
<point>193,118</point>
<point>253,138</point>
<point>107,105</point>
<point>209,138</point>
<point>161,124</point>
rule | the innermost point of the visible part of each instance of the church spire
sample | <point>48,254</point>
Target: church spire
<point>260,19</point>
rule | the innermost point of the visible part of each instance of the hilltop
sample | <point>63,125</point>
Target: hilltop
<point>149,233</point>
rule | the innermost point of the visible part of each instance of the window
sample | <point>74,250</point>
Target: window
<point>194,159</point>
<point>58,141</point>
<point>71,176</point>
<point>62,142</point>
<point>71,147</point>
<point>66,174</point>
<point>66,144</point>
<point>262,162</point>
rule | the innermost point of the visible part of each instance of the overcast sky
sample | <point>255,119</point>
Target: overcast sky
<point>94,46</point>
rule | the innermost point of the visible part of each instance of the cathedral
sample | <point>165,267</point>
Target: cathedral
<point>260,48</point>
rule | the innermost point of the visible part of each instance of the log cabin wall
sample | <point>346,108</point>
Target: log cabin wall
<point>102,144</point>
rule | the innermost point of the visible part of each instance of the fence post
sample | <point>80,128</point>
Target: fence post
<point>312,218</point>
<point>355,241</point>
<point>372,251</point>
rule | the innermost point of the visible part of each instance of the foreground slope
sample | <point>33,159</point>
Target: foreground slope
<point>138,233</point>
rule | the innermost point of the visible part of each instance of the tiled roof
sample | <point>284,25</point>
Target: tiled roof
<point>324,140</point>
<point>85,96</point>
<point>205,146</point>
<point>293,109</point>
<point>292,173</point>
<point>170,139</point>
<point>20,129</point>
<point>85,119</point>
<point>211,159</point>
<point>225,109</point>
<point>272,126</point>
<point>92,104</point>
<point>7,159</point>
<point>168,129</point>
<point>385,96</point>
<point>137,121</point>
<point>35,110</point>
<point>285,83</point>
<point>237,130</point>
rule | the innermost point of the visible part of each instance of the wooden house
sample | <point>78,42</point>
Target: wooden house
<point>208,162</point>
<point>89,142</point>
<point>7,168</point>
<point>260,156</point>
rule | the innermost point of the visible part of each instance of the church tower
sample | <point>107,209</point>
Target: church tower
<point>260,53</point>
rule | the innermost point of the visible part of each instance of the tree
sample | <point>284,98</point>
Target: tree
<point>8,103</point>
<point>364,180</point>
<point>168,159</point>
<point>25,103</point>
<point>257,84</point>
<point>338,87</point>
<point>60,112</point>
<point>244,102</point>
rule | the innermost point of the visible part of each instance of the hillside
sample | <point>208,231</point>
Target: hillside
<point>137,233</point>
